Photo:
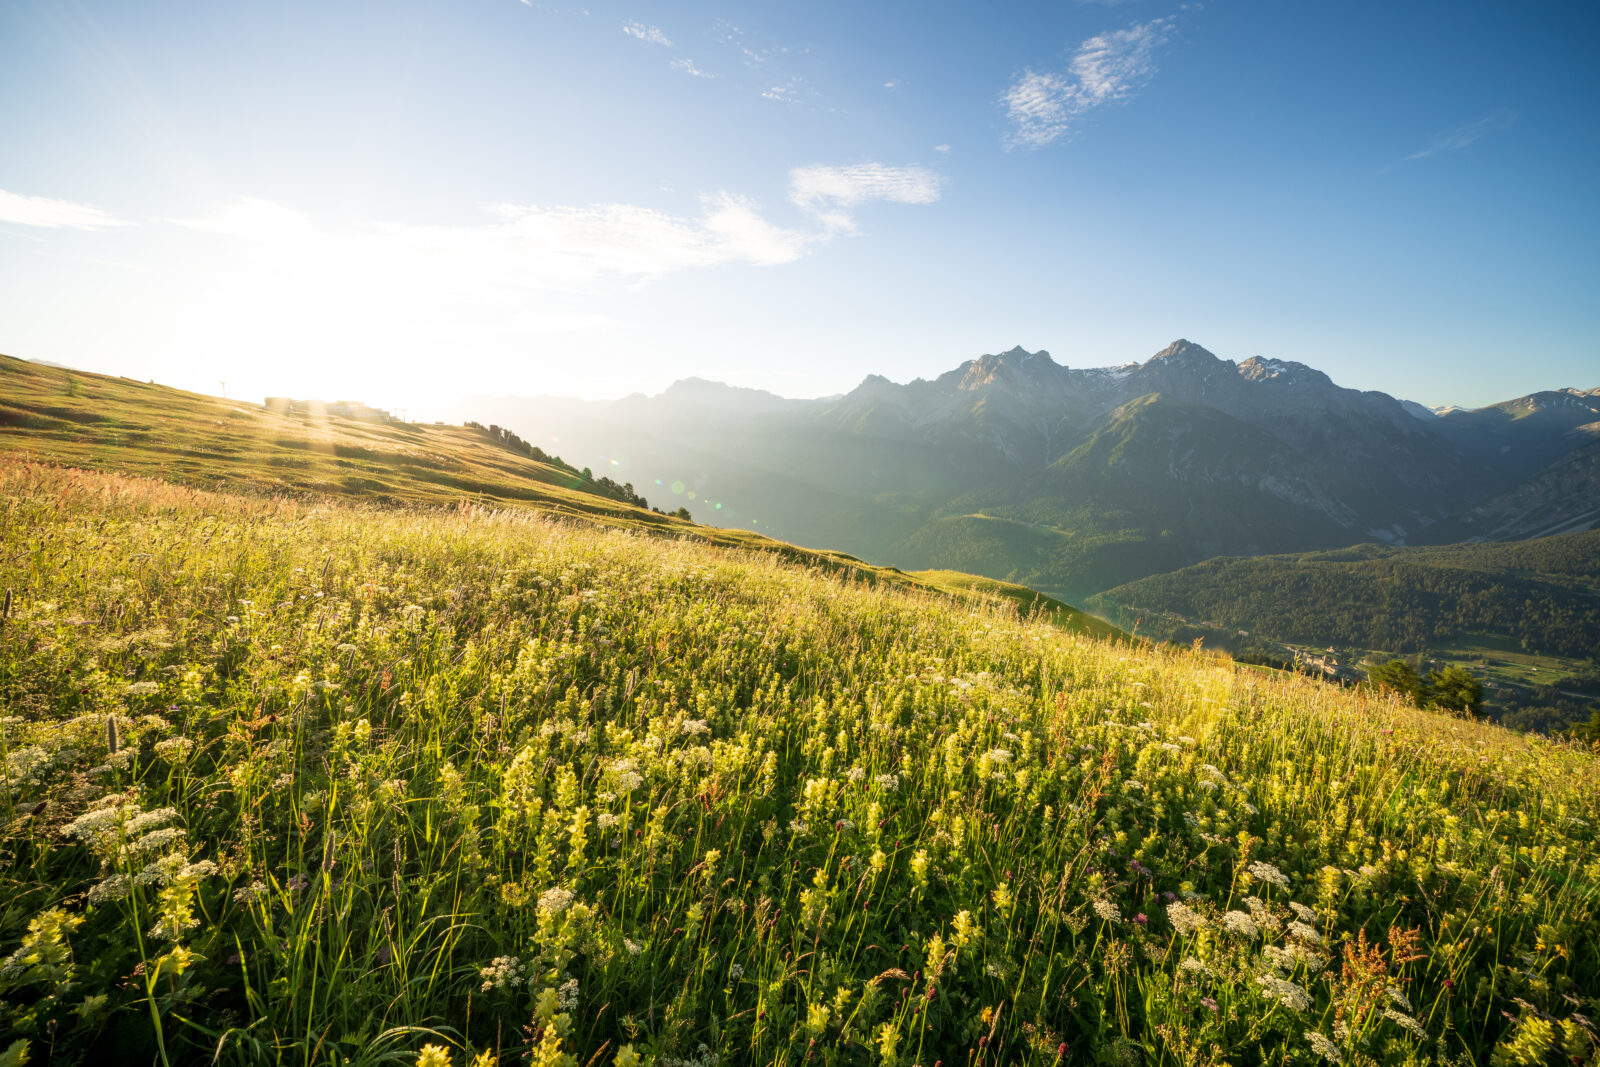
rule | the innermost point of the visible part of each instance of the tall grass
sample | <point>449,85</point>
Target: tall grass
<point>296,783</point>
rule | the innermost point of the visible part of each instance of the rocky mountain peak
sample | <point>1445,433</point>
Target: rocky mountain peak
<point>1016,367</point>
<point>1184,351</point>
<point>1284,371</point>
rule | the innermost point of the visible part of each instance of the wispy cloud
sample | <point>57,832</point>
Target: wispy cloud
<point>526,245</point>
<point>53,214</point>
<point>787,93</point>
<point>1497,121</point>
<point>733,37</point>
<point>1043,106</point>
<point>687,66</point>
<point>534,246</point>
<point>830,194</point>
<point>647,33</point>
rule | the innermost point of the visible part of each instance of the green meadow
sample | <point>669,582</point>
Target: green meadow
<point>302,781</point>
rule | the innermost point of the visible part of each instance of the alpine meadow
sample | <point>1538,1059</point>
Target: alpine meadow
<point>799,535</point>
<point>314,782</point>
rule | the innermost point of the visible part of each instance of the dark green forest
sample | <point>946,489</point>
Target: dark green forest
<point>1543,595</point>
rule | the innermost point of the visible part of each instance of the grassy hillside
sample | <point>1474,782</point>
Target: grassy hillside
<point>1542,596</point>
<point>79,419</point>
<point>1029,603</point>
<point>97,421</point>
<point>290,781</point>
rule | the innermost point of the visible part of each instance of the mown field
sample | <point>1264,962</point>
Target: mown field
<point>300,782</point>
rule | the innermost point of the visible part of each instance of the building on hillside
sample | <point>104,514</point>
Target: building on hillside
<point>1326,664</point>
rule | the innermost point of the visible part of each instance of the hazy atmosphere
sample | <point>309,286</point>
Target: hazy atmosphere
<point>800,535</point>
<point>402,202</point>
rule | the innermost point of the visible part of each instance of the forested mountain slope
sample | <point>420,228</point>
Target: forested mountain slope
<point>1542,595</point>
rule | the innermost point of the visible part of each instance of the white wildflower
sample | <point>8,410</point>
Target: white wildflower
<point>1312,960</point>
<point>25,763</point>
<point>1405,1022</point>
<point>1184,919</point>
<point>174,749</point>
<point>1305,933</point>
<point>1107,911</point>
<point>1237,922</point>
<point>156,840</point>
<point>1268,873</point>
<point>197,870</point>
<point>1281,958</point>
<point>553,902</point>
<point>114,888</point>
<point>245,894</point>
<point>501,972</point>
<point>149,820</point>
<point>1290,995</point>
<point>163,870</point>
<point>1322,1046</point>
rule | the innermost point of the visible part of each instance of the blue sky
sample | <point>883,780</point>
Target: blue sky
<point>404,202</point>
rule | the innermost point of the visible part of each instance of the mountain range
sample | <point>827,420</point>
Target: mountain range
<point>1074,480</point>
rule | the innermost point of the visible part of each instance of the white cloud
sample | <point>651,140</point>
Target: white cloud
<point>638,242</point>
<point>733,37</point>
<point>256,220</point>
<point>788,94</point>
<point>1040,106</point>
<point>524,244</point>
<point>943,148</point>
<point>688,67</point>
<point>53,214</point>
<point>526,247</point>
<point>646,33</point>
<point>1043,106</point>
<point>829,193</point>
<point>1497,121</point>
<point>266,280</point>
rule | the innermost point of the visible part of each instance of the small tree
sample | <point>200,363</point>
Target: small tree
<point>1587,732</point>
<point>1396,676</point>
<point>1453,689</point>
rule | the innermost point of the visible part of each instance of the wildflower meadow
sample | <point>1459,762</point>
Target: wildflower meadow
<point>289,782</point>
